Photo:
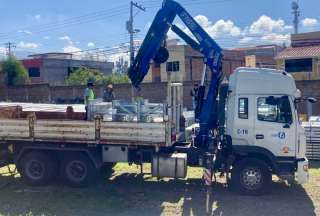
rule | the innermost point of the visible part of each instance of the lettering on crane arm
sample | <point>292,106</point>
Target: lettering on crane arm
<point>242,132</point>
<point>188,20</point>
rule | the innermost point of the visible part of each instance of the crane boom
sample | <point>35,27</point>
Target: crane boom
<point>152,49</point>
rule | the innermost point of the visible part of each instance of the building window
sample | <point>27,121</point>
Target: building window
<point>243,111</point>
<point>71,70</point>
<point>274,109</point>
<point>298,65</point>
<point>34,72</point>
<point>173,66</point>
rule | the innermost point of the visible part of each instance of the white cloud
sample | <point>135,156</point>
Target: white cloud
<point>25,32</point>
<point>68,39</point>
<point>202,20</point>
<point>264,30</point>
<point>276,38</point>
<point>90,44</point>
<point>246,40</point>
<point>71,49</point>
<point>224,28</point>
<point>3,52</point>
<point>288,27</point>
<point>65,38</point>
<point>221,28</point>
<point>46,37</point>
<point>310,22</point>
<point>26,45</point>
<point>37,17</point>
<point>266,24</point>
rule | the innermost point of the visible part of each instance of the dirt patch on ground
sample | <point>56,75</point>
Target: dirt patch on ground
<point>128,193</point>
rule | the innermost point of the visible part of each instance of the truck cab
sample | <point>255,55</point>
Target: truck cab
<point>263,123</point>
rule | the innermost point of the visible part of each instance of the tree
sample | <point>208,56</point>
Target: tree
<point>82,75</point>
<point>14,72</point>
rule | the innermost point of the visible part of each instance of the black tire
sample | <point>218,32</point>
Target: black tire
<point>37,168</point>
<point>251,177</point>
<point>77,170</point>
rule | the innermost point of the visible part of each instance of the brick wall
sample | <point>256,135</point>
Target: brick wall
<point>155,92</point>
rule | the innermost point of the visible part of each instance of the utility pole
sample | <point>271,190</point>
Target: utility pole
<point>131,29</point>
<point>296,15</point>
<point>10,46</point>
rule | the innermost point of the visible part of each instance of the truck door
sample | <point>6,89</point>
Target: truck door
<point>240,119</point>
<point>274,125</point>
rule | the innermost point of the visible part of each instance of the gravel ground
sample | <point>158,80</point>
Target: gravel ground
<point>128,193</point>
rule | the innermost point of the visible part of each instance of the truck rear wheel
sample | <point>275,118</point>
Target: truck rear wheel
<point>37,168</point>
<point>78,170</point>
<point>251,177</point>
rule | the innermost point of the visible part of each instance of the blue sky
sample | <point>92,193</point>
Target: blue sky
<point>65,25</point>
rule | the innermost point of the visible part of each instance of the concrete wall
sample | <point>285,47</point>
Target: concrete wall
<point>155,92</point>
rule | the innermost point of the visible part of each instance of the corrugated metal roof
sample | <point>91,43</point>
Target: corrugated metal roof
<point>299,52</point>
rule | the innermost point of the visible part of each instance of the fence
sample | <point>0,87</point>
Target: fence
<point>155,92</point>
<point>312,131</point>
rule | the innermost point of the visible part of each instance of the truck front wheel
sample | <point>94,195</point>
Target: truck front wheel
<point>78,170</point>
<point>251,177</point>
<point>37,168</point>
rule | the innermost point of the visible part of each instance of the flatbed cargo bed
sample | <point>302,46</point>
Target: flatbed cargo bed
<point>84,132</point>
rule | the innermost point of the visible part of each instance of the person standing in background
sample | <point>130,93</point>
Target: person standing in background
<point>194,95</point>
<point>108,95</point>
<point>88,95</point>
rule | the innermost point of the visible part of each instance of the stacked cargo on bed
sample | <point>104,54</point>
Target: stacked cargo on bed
<point>126,111</point>
<point>42,111</point>
<point>312,131</point>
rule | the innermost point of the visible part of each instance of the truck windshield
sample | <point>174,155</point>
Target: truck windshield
<point>274,109</point>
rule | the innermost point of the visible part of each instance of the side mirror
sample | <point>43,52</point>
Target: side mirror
<point>312,100</point>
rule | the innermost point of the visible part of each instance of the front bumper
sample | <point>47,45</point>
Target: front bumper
<point>302,174</point>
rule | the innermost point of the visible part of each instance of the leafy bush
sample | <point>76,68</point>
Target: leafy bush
<point>82,75</point>
<point>14,72</point>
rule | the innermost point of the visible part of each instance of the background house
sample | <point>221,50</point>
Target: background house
<point>54,68</point>
<point>186,64</point>
<point>302,59</point>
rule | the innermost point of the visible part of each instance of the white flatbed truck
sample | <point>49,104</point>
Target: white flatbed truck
<point>262,129</point>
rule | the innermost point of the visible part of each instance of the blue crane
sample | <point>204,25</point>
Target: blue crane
<point>153,48</point>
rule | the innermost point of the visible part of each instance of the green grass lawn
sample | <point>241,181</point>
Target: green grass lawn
<point>126,192</point>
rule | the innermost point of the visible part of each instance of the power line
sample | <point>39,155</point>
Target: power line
<point>86,18</point>
<point>9,47</point>
<point>131,29</point>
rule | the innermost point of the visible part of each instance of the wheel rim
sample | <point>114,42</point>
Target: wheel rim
<point>35,169</point>
<point>251,178</point>
<point>76,171</point>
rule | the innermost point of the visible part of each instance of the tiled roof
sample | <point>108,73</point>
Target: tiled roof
<point>299,52</point>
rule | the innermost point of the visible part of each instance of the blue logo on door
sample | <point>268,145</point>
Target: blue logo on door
<point>282,135</point>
